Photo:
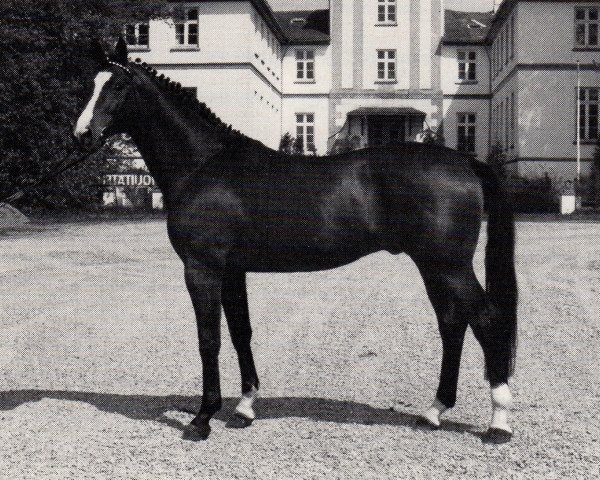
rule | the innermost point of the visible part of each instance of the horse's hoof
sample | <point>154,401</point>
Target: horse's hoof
<point>425,424</point>
<point>239,421</point>
<point>195,432</point>
<point>496,436</point>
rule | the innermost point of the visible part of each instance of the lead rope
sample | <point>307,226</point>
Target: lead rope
<point>64,165</point>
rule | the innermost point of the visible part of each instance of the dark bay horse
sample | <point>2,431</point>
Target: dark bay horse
<point>235,206</point>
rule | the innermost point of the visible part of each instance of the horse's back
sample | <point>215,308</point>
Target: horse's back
<point>288,213</point>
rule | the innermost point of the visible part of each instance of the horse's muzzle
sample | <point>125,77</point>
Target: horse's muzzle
<point>86,138</point>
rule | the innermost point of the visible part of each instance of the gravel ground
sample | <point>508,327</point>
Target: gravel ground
<point>99,366</point>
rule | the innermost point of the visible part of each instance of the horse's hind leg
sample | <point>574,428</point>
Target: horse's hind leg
<point>234,298</point>
<point>452,324</point>
<point>459,299</point>
<point>483,317</point>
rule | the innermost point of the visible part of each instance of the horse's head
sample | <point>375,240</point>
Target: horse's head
<point>113,92</point>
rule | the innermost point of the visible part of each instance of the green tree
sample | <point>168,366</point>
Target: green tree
<point>45,79</point>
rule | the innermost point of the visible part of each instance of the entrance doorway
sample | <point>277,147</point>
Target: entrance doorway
<point>386,130</point>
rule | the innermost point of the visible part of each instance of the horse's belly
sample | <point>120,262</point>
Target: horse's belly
<point>295,251</point>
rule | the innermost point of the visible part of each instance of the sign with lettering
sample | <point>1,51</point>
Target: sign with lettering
<point>129,180</point>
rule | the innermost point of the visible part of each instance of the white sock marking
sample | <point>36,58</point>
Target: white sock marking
<point>501,403</point>
<point>83,123</point>
<point>244,408</point>
<point>433,413</point>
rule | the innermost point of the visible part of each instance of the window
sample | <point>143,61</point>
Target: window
<point>493,69</point>
<point>501,126</point>
<point>501,40</point>
<point>507,47</point>
<point>512,37</point>
<point>586,26</point>
<point>305,131</point>
<point>386,11</point>
<point>495,57</point>
<point>466,132</point>
<point>512,120</point>
<point>467,66</point>
<point>305,65</point>
<point>186,31</point>
<point>498,56</point>
<point>507,125</point>
<point>588,102</point>
<point>191,90</point>
<point>386,65</point>
<point>137,34</point>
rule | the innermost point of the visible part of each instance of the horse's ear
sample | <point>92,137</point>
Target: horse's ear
<point>121,53</point>
<point>97,52</point>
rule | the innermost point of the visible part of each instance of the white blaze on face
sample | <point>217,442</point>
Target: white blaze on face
<point>83,123</point>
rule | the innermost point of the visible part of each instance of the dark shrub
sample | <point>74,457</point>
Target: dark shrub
<point>532,195</point>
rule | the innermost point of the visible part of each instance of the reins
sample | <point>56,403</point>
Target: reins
<point>63,166</point>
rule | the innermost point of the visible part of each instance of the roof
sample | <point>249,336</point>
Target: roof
<point>262,7</point>
<point>385,112</point>
<point>306,27</point>
<point>466,28</point>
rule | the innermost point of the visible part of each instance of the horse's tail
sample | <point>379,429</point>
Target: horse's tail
<point>501,280</point>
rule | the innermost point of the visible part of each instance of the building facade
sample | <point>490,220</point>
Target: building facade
<point>375,72</point>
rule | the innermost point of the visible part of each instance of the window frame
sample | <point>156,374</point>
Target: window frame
<point>387,12</point>
<point>512,37</point>
<point>136,35</point>
<point>513,120</point>
<point>466,141</point>
<point>585,116</point>
<point>390,57</point>
<point>587,22</point>
<point>305,65</point>
<point>183,35</point>
<point>304,122</point>
<point>467,65</point>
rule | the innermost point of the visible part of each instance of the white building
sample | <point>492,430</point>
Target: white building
<point>382,71</point>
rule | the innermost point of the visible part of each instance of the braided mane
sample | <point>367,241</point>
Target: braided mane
<point>190,101</point>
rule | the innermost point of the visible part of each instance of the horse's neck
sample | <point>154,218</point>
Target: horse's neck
<point>171,146</point>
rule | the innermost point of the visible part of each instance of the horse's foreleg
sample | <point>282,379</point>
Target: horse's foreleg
<point>235,304</point>
<point>204,286</point>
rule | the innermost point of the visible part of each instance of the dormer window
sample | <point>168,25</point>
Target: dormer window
<point>386,12</point>
<point>186,31</point>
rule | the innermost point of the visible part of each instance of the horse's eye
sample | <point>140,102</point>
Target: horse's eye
<point>119,86</point>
